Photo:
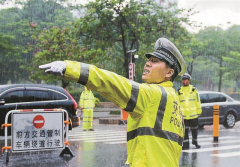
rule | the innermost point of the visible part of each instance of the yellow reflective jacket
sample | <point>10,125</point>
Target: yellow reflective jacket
<point>86,100</point>
<point>190,102</point>
<point>155,124</point>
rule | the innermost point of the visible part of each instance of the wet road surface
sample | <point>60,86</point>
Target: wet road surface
<point>225,152</point>
<point>106,147</point>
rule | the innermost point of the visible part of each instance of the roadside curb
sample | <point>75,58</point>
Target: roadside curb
<point>109,120</point>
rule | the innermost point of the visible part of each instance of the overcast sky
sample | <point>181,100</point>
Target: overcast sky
<point>214,12</point>
<point>211,12</point>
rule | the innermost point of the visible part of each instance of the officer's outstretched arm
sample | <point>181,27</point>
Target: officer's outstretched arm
<point>112,86</point>
<point>128,95</point>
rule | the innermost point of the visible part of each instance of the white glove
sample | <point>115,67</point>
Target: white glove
<point>55,68</point>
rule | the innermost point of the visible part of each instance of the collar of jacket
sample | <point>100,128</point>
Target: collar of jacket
<point>166,84</point>
<point>187,88</point>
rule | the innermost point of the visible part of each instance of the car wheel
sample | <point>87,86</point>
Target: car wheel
<point>230,121</point>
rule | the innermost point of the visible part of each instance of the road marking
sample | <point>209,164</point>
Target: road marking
<point>119,137</point>
<point>216,146</point>
<point>224,155</point>
<point>201,136</point>
<point>97,133</point>
<point>105,140</point>
<point>112,137</point>
<point>98,136</point>
<point>124,142</point>
<point>224,137</point>
<point>120,142</point>
<point>94,137</point>
<point>212,149</point>
<point>220,142</point>
<point>230,130</point>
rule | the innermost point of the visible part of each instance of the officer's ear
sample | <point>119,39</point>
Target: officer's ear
<point>170,73</point>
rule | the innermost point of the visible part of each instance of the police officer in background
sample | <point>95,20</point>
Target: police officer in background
<point>87,103</point>
<point>155,124</point>
<point>191,107</point>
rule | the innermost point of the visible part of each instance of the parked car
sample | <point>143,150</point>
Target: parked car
<point>36,96</point>
<point>229,109</point>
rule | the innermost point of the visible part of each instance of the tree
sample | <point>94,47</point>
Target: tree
<point>232,65</point>
<point>107,31</point>
<point>8,57</point>
<point>22,23</point>
<point>217,47</point>
<point>58,44</point>
<point>195,50</point>
<point>118,26</point>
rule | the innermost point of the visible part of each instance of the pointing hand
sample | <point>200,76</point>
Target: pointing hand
<point>55,68</point>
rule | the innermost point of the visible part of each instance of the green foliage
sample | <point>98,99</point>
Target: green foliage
<point>9,57</point>
<point>97,101</point>
<point>115,113</point>
<point>42,31</point>
<point>53,44</point>
<point>217,46</point>
<point>116,27</point>
<point>106,32</point>
<point>194,49</point>
<point>205,74</point>
<point>75,94</point>
<point>22,24</point>
<point>76,90</point>
<point>10,47</point>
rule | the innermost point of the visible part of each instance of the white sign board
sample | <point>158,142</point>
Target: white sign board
<point>33,131</point>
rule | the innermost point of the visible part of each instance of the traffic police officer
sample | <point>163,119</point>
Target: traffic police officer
<point>155,124</point>
<point>191,108</point>
<point>87,103</point>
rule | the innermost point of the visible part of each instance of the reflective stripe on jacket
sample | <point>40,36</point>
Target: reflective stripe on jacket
<point>190,102</point>
<point>155,124</point>
<point>86,100</point>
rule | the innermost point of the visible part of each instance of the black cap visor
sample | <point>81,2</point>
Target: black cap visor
<point>161,57</point>
<point>166,56</point>
<point>184,78</point>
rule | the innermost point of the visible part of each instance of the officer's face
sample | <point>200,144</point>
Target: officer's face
<point>185,82</point>
<point>156,71</point>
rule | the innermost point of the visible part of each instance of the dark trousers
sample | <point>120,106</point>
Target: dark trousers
<point>193,125</point>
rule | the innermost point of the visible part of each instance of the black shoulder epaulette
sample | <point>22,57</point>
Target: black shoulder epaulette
<point>193,89</point>
<point>179,90</point>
